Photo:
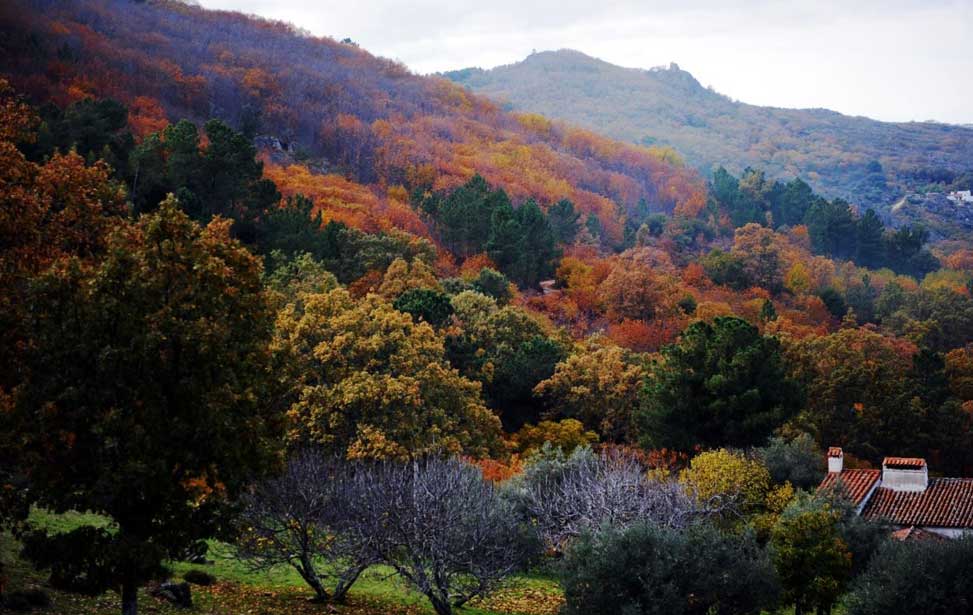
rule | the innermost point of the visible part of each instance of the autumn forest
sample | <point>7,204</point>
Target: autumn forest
<point>291,320</point>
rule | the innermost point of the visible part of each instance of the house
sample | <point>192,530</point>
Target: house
<point>903,494</point>
<point>961,196</point>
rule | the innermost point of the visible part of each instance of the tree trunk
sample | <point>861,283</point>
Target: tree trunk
<point>130,598</point>
<point>442,607</point>
<point>306,570</point>
<point>345,582</point>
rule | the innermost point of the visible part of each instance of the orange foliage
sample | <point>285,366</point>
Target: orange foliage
<point>471,266</point>
<point>499,471</point>
<point>642,336</point>
<point>343,200</point>
<point>694,275</point>
<point>146,116</point>
<point>960,260</point>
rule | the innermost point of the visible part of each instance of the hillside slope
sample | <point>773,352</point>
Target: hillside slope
<point>836,153</point>
<point>367,118</point>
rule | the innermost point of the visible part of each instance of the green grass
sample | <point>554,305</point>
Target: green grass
<point>242,591</point>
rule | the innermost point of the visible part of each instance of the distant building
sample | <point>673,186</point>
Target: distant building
<point>961,196</point>
<point>903,494</point>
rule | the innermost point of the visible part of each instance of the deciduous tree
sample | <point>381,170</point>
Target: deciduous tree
<point>147,398</point>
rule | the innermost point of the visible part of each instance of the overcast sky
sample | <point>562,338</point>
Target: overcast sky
<point>893,60</point>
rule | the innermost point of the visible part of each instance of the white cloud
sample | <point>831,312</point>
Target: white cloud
<point>894,60</point>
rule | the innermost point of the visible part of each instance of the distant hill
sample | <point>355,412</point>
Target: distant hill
<point>865,161</point>
<point>365,119</point>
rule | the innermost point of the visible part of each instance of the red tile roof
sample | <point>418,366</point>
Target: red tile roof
<point>857,482</point>
<point>946,502</point>
<point>914,463</point>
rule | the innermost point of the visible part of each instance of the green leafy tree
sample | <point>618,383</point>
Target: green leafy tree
<point>812,561</point>
<point>869,246</point>
<point>647,570</point>
<point>832,228</point>
<point>146,399</point>
<point>916,577</point>
<point>798,461</point>
<point>565,221</point>
<point>726,270</point>
<point>508,351</point>
<point>426,305</point>
<point>721,384</point>
<point>790,202</point>
<point>95,129</point>
<point>494,284</point>
<point>464,217</point>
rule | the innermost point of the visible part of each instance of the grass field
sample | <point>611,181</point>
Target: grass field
<point>239,591</point>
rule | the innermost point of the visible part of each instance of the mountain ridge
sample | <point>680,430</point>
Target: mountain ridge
<point>835,152</point>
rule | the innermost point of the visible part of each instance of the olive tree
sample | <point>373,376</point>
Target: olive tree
<point>301,519</point>
<point>567,496</point>
<point>442,527</point>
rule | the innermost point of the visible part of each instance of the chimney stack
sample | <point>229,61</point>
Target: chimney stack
<point>836,460</point>
<point>905,474</point>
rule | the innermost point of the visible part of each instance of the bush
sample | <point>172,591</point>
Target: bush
<point>646,569</point>
<point>424,304</point>
<point>916,577</point>
<point>199,577</point>
<point>26,599</point>
<point>798,461</point>
<point>493,284</point>
<point>564,497</point>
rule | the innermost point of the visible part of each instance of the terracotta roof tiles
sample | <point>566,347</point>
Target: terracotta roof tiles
<point>946,502</point>
<point>857,482</point>
<point>914,463</point>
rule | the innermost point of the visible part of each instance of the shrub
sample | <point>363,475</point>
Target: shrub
<point>812,560</point>
<point>199,577</point>
<point>644,569</point>
<point>799,461</point>
<point>566,496</point>
<point>16,602</point>
<point>26,599</point>
<point>916,577</point>
<point>425,304</point>
<point>493,284</point>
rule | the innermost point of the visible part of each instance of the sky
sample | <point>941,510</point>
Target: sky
<point>893,60</point>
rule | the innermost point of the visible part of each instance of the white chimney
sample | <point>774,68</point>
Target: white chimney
<point>905,474</point>
<point>836,460</point>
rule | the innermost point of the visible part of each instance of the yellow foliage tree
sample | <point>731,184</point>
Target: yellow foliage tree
<point>402,276</point>
<point>566,434</point>
<point>371,383</point>
<point>722,473</point>
<point>599,385</point>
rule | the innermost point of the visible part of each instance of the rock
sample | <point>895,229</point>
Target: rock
<point>178,594</point>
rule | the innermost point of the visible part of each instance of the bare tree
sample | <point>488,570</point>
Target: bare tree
<point>566,497</point>
<point>301,519</point>
<point>443,528</point>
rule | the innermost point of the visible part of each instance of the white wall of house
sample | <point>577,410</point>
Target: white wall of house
<point>948,532</point>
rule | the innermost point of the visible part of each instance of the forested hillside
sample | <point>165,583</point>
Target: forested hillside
<point>864,161</point>
<point>374,122</point>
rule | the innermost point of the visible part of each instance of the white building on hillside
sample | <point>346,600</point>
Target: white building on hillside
<point>961,196</point>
